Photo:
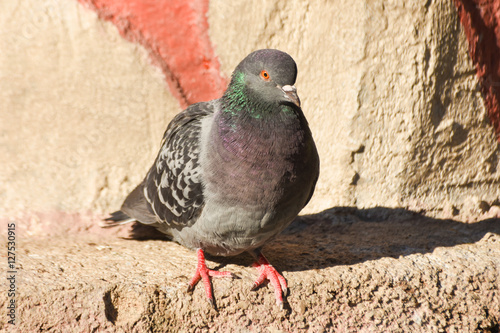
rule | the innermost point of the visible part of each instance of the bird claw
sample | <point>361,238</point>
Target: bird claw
<point>268,272</point>
<point>203,273</point>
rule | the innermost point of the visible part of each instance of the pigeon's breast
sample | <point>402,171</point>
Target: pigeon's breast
<point>256,180</point>
<point>254,162</point>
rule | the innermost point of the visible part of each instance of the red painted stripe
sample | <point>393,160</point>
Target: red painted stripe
<point>481,22</point>
<point>176,34</point>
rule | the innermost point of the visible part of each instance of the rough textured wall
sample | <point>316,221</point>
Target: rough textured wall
<point>391,95</point>
<point>80,108</point>
<point>481,22</point>
<point>389,90</point>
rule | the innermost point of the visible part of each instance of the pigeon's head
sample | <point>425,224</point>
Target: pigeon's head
<point>268,76</point>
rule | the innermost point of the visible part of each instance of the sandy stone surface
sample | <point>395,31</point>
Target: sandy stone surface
<point>376,270</point>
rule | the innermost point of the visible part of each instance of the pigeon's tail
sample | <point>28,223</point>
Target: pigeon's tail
<point>138,231</point>
<point>117,218</point>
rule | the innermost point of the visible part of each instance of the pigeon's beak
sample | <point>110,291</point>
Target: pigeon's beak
<point>291,94</point>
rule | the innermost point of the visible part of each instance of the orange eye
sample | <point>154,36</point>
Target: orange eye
<point>265,75</point>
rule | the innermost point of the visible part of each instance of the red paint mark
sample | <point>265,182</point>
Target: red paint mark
<point>481,22</point>
<point>176,34</point>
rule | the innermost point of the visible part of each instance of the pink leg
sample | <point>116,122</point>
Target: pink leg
<point>268,272</point>
<point>202,272</point>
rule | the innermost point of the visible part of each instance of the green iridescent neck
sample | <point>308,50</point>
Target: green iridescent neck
<point>239,102</point>
<point>237,99</point>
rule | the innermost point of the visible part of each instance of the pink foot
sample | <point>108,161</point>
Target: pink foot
<point>268,272</point>
<point>202,272</point>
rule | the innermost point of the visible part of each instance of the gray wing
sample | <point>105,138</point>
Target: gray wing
<point>173,186</point>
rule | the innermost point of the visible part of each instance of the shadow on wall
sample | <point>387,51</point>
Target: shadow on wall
<point>346,236</point>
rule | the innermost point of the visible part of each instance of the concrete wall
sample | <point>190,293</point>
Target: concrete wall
<point>391,95</point>
<point>87,89</point>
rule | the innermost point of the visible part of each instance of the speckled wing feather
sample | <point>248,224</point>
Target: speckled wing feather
<point>173,185</point>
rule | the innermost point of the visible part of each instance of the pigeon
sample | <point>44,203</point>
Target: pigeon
<point>233,172</point>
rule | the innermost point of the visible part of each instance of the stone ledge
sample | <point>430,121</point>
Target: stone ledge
<point>348,270</point>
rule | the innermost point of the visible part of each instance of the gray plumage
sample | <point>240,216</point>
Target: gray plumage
<point>233,172</point>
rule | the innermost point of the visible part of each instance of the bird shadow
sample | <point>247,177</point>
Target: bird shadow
<point>346,236</point>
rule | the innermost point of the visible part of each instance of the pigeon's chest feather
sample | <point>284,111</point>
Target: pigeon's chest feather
<point>257,160</point>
